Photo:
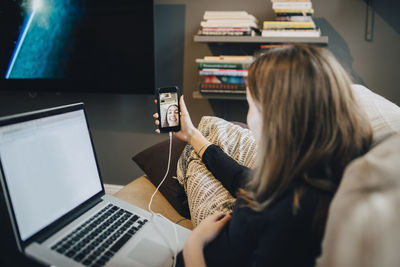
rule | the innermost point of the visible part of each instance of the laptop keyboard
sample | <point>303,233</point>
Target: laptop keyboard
<point>99,238</point>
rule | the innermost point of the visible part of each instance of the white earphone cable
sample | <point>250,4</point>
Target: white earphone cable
<point>174,250</point>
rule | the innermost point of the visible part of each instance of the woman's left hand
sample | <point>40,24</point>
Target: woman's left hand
<point>206,231</point>
<point>209,228</point>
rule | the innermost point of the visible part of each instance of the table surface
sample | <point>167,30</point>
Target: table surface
<point>139,192</point>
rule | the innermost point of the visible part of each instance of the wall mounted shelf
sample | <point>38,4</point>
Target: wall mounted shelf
<point>322,40</point>
<point>197,95</point>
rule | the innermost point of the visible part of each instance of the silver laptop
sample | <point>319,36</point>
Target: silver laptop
<point>55,196</point>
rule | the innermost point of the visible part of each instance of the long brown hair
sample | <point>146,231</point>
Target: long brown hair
<point>312,126</point>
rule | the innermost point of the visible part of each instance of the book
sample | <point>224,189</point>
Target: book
<point>224,62</point>
<point>294,12</point>
<point>228,15</point>
<point>227,33</point>
<point>222,65</point>
<point>228,23</point>
<point>289,25</point>
<point>223,58</point>
<point>224,72</point>
<point>293,18</point>
<point>291,33</point>
<point>234,29</point>
<point>225,79</point>
<point>222,91</point>
<point>291,5</point>
<point>272,1</point>
<point>270,46</point>
<point>222,88</point>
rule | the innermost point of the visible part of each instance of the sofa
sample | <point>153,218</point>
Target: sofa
<point>363,226</point>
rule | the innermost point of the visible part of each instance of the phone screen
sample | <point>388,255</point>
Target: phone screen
<point>169,110</point>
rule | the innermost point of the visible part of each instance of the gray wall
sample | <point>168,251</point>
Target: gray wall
<point>122,124</point>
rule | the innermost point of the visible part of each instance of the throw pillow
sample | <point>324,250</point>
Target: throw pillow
<point>153,161</point>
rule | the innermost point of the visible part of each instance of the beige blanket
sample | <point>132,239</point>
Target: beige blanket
<point>363,226</point>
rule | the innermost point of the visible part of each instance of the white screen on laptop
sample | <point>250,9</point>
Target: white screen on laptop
<point>50,168</point>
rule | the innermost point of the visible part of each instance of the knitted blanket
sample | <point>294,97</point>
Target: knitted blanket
<point>205,193</point>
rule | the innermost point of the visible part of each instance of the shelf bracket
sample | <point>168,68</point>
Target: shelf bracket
<point>369,23</point>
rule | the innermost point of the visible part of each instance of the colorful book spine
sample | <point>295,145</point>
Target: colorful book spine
<point>225,79</point>
<point>226,33</point>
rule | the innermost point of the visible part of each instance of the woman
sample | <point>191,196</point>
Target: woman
<point>171,117</point>
<point>308,127</point>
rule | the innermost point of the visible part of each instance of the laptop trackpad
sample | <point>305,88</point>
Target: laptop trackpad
<point>150,253</point>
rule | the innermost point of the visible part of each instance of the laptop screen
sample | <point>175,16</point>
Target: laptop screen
<point>49,167</point>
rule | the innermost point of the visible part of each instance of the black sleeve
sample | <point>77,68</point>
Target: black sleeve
<point>230,173</point>
<point>273,237</point>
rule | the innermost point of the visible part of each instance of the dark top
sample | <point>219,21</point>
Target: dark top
<point>271,237</point>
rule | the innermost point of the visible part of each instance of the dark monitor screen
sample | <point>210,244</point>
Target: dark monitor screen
<point>77,45</point>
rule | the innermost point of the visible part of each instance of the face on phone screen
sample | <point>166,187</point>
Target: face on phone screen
<point>169,109</point>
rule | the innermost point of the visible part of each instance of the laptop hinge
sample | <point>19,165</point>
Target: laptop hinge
<point>66,219</point>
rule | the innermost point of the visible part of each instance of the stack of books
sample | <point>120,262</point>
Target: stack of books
<point>228,23</point>
<point>224,74</point>
<point>293,18</point>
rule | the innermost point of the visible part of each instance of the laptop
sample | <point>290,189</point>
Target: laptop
<point>58,208</point>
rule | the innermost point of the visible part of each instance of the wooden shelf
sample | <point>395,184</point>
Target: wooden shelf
<point>323,40</point>
<point>197,95</point>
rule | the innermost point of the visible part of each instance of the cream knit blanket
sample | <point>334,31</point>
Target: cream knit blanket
<point>205,193</point>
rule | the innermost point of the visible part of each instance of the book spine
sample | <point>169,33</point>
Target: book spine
<point>226,33</point>
<point>291,5</point>
<point>223,72</point>
<point>225,79</point>
<point>233,24</point>
<point>292,12</point>
<point>291,33</point>
<point>294,18</point>
<point>217,91</point>
<point>213,14</point>
<point>220,29</point>
<point>222,86</point>
<point>290,1</point>
<point>289,24</point>
<point>239,66</point>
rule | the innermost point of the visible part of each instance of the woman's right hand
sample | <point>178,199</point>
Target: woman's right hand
<point>188,132</point>
<point>187,129</point>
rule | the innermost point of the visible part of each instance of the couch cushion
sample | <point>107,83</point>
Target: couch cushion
<point>363,227</point>
<point>383,114</point>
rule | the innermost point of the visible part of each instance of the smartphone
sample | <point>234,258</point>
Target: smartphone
<point>168,109</point>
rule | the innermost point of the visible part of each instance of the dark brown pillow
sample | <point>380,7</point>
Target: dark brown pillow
<point>153,161</point>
